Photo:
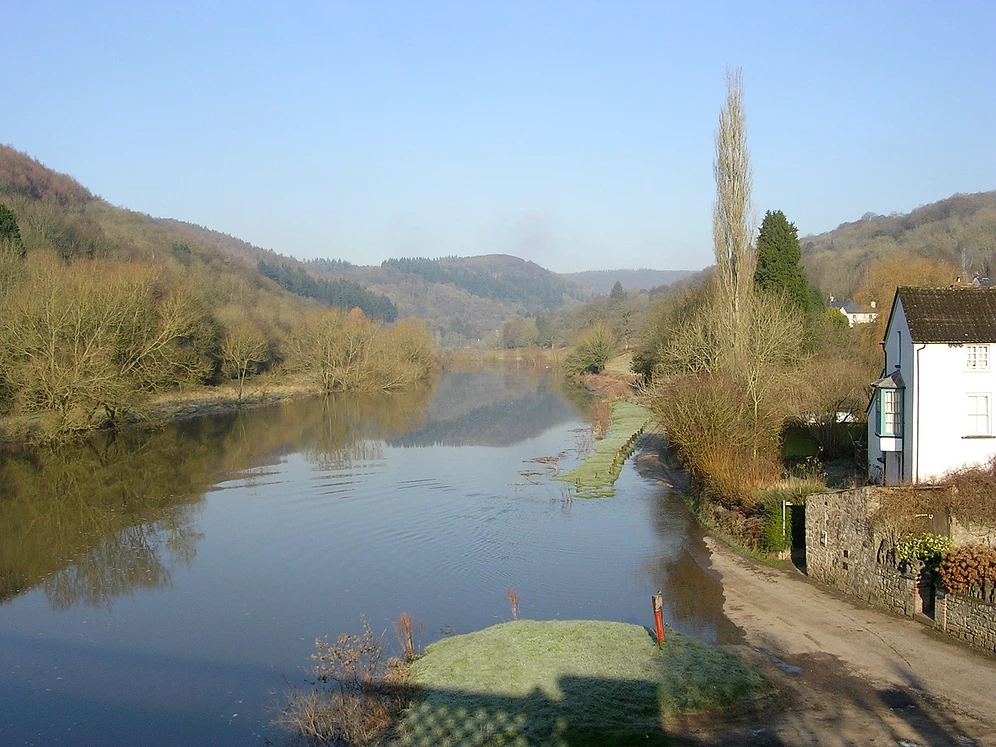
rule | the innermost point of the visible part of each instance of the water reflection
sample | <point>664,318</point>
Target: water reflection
<point>693,596</point>
<point>94,521</point>
<point>494,408</point>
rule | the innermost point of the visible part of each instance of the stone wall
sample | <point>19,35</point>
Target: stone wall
<point>843,551</point>
<point>968,619</point>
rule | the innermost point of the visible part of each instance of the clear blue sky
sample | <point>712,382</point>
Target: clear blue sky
<point>578,135</point>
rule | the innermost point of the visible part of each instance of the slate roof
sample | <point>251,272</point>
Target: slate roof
<point>950,314</point>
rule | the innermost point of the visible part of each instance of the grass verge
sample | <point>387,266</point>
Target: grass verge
<point>567,682</point>
<point>595,477</point>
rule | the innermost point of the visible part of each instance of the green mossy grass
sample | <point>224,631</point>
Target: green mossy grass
<point>567,682</point>
<point>595,477</point>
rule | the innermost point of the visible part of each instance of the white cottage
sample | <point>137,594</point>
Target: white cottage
<point>931,412</point>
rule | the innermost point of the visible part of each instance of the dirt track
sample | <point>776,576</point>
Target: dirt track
<point>845,674</point>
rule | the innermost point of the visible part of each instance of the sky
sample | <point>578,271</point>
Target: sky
<point>579,135</point>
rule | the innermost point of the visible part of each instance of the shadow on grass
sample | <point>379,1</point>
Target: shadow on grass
<point>588,712</point>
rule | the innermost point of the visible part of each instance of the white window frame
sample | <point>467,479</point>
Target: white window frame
<point>977,357</point>
<point>978,421</point>
<point>890,412</point>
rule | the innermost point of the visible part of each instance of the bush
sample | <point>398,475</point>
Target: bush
<point>592,351</point>
<point>356,695</point>
<point>777,537</point>
<point>711,421</point>
<point>970,569</point>
<point>925,548</point>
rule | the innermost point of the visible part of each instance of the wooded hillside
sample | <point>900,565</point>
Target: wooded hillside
<point>103,308</point>
<point>959,232</point>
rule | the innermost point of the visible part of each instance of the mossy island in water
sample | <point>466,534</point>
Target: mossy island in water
<point>569,682</point>
<point>596,475</point>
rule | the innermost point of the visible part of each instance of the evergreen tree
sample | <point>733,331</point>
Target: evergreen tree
<point>778,268</point>
<point>617,293</point>
<point>8,228</point>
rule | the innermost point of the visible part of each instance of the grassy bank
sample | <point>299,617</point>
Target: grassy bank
<point>194,402</point>
<point>567,682</point>
<point>595,477</point>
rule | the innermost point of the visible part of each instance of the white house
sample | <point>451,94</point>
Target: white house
<point>856,314</point>
<point>931,412</point>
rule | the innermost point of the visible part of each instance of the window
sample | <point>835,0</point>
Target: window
<point>890,413</point>
<point>978,357</point>
<point>978,415</point>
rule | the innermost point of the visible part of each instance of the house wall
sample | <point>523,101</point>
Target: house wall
<point>943,383</point>
<point>841,551</point>
<point>885,466</point>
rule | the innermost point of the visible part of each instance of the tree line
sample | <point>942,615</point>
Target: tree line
<point>342,293</point>
<point>93,337</point>
<point>486,282</point>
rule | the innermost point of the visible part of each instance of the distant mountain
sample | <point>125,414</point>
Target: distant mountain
<point>464,299</point>
<point>601,281</point>
<point>960,230</point>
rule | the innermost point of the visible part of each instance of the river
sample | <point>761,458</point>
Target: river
<point>164,587</point>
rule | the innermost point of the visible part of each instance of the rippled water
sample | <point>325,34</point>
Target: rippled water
<point>159,588</point>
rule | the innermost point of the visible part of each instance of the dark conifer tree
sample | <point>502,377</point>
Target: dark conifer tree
<point>778,262</point>
<point>8,228</point>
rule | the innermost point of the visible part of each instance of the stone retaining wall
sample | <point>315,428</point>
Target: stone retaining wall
<point>968,619</point>
<point>843,551</point>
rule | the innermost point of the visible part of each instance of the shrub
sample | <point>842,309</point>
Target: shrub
<point>592,350</point>
<point>926,548</point>
<point>356,695</point>
<point>970,569</point>
<point>777,537</point>
<point>711,421</point>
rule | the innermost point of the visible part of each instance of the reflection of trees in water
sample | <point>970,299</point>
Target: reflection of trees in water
<point>91,521</point>
<point>693,596</point>
<point>133,558</point>
<point>491,409</point>
<point>347,423</point>
<point>96,520</point>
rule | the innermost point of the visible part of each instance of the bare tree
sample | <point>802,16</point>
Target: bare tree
<point>734,222</point>
<point>243,350</point>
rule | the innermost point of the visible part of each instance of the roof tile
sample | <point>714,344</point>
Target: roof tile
<point>950,314</point>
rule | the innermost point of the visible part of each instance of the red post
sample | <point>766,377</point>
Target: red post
<point>658,599</point>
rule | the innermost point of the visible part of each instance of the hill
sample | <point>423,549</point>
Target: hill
<point>601,281</point>
<point>463,299</point>
<point>959,231</point>
<point>104,309</point>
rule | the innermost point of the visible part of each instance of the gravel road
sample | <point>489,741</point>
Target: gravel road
<point>844,674</point>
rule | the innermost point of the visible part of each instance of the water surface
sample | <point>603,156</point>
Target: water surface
<point>162,587</point>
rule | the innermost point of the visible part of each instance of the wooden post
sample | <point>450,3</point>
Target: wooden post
<point>658,600</point>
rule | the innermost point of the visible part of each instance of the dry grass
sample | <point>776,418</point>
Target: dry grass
<point>513,601</point>
<point>404,630</point>
<point>357,694</point>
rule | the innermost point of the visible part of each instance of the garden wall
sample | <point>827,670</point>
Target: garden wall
<point>843,551</point>
<point>968,619</point>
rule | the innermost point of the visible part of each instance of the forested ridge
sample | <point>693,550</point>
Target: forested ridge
<point>336,292</point>
<point>105,309</point>
<point>958,232</point>
<point>508,283</point>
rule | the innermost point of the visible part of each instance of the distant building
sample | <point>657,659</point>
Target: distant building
<point>856,314</point>
<point>931,412</point>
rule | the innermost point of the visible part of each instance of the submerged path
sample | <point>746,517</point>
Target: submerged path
<point>846,674</point>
